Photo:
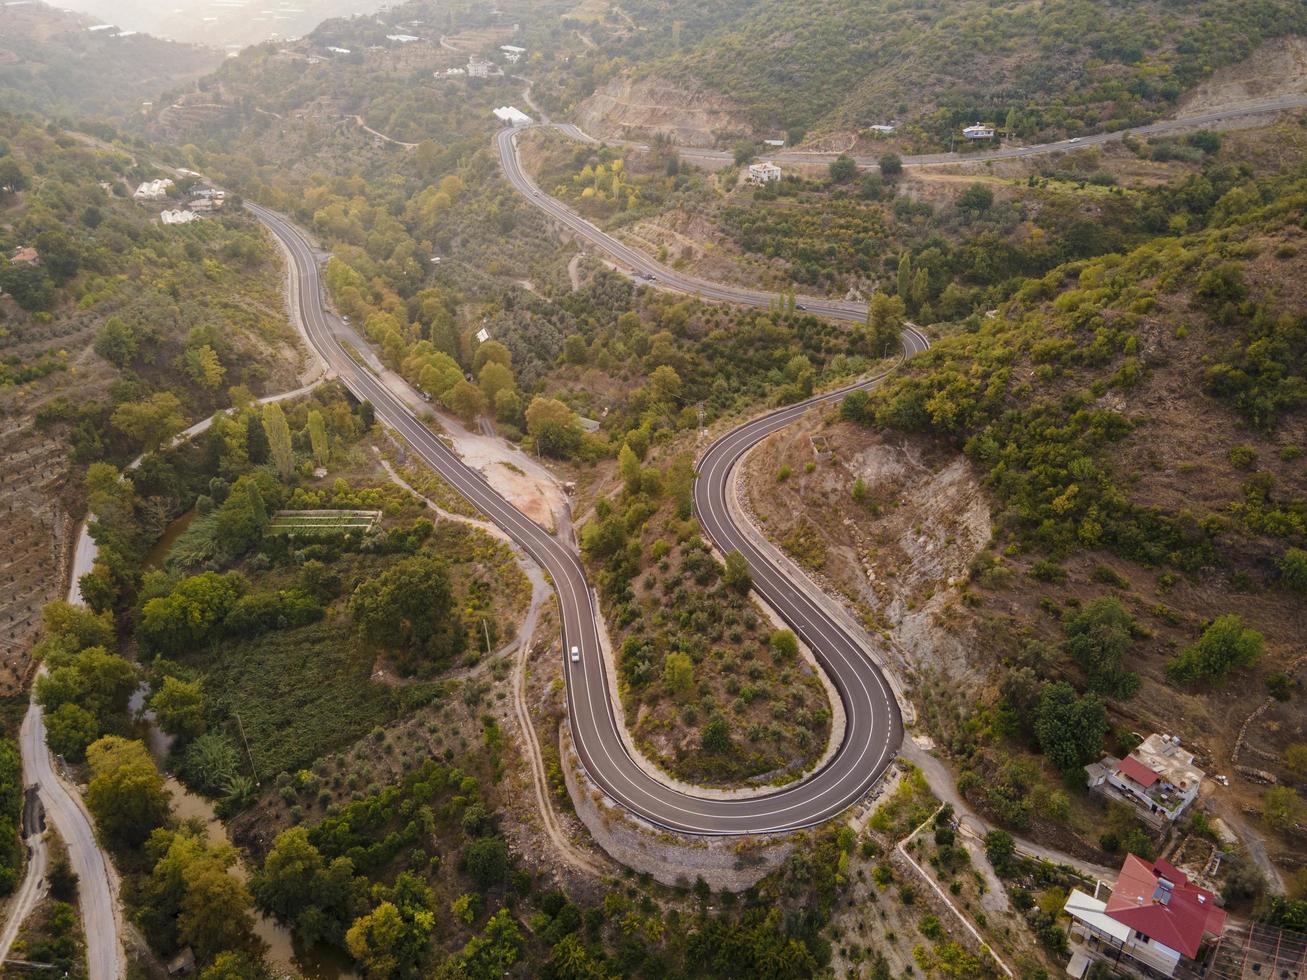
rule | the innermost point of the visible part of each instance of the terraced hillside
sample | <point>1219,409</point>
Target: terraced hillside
<point>115,331</point>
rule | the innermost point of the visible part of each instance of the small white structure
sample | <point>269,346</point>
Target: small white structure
<point>1159,778</point>
<point>335,50</point>
<point>178,217</point>
<point>482,335</point>
<point>153,190</point>
<point>884,129</point>
<point>512,115</point>
<point>450,72</point>
<point>763,173</point>
<point>402,38</point>
<point>776,144</point>
<point>512,53</point>
<point>476,68</point>
<point>979,131</point>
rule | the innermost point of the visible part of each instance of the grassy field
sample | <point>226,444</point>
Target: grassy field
<point>299,694</point>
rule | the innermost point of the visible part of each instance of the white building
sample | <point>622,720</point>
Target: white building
<point>512,115</point>
<point>512,53</point>
<point>178,217</point>
<point>774,143</point>
<point>153,190</point>
<point>979,132</point>
<point>884,129</point>
<point>763,173</point>
<point>1159,778</point>
<point>402,38</point>
<point>336,50</point>
<point>476,68</point>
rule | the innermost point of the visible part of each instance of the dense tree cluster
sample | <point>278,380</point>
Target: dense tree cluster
<point>409,609</point>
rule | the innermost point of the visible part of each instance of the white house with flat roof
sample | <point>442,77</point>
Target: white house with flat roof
<point>763,173</point>
<point>1159,778</point>
<point>979,131</point>
<point>512,53</point>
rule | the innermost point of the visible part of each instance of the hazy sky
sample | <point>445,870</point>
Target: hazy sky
<point>221,23</point>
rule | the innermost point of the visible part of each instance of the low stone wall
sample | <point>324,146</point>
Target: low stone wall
<point>726,864</point>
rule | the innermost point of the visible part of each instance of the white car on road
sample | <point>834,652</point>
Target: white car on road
<point>576,655</point>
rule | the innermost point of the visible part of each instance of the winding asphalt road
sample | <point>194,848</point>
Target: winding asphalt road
<point>640,262</point>
<point>1218,118</point>
<point>64,809</point>
<point>873,727</point>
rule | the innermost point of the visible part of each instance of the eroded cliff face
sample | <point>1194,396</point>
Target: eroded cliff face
<point>888,525</point>
<point>627,108</point>
<point>1277,68</point>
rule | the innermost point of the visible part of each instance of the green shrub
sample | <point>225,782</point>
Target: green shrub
<point>1225,646</point>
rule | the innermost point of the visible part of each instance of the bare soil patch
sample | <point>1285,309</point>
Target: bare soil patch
<point>1277,68</point>
<point>630,109</point>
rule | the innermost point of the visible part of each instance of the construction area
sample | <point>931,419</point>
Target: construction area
<point>1258,952</point>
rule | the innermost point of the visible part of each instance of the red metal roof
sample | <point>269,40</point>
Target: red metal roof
<point>1132,768</point>
<point>1178,920</point>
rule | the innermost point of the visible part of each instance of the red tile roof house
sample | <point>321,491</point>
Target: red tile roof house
<point>1153,920</point>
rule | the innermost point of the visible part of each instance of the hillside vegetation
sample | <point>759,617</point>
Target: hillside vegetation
<point>115,333</point>
<point>1066,66</point>
<point>51,63</point>
<point>1136,422</point>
